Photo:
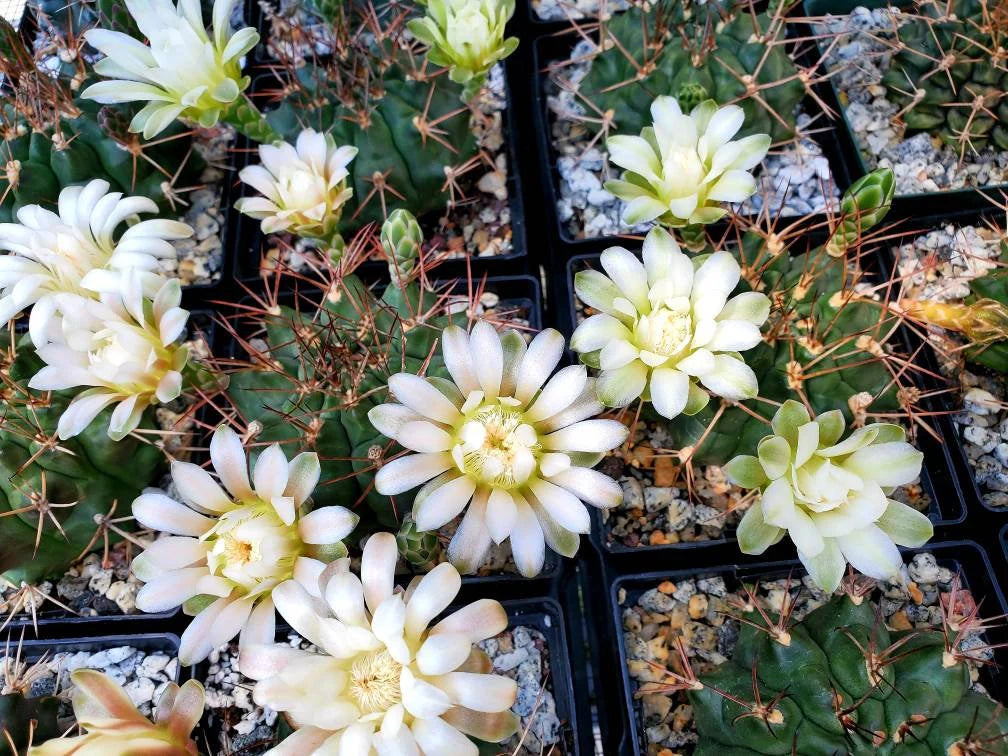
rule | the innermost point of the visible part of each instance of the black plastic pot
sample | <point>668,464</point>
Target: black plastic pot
<point>964,557</point>
<point>558,47</point>
<point>542,614</point>
<point>248,241</point>
<point>982,517</point>
<point>33,650</point>
<point>938,479</point>
<point>904,205</point>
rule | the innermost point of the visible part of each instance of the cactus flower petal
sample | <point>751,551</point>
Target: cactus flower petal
<point>182,71</point>
<point>687,164</point>
<point>661,321</point>
<point>304,187</point>
<point>237,545</point>
<point>383,673</point>
<point>829,494</point>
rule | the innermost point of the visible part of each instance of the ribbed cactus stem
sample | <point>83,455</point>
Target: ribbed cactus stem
<point>983,321</point>
<point>401,238</point>
<point>248,120</point>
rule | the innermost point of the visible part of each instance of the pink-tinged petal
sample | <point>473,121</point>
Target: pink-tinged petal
<point>168,553</point>
<point>500,515</point>
<point>435,736</point>
<point>171,589</point>
<point>458,358</point>
<point>387,419</point>
<point>198,489</point>
<point>270,474</point>
<point>479,620</point>
<point>261,626</point>
<point>228,457</point>
<point>424,436</point>
<point>100,702</point>
<point>587,436</point>
<point>378,561</point>
<point>469,546</point>
<point>443,504</point>
<point>157,511</point>
<point>410,471</point>
<point>432,595</point>
<point>303,474</point>
<point>423,397</point>
<point>590,486</point>
<point>486,693</point>
<point>487,357</point>
<point>327,525</point>
<point>443,653</point>
<point>559,393</point>
<point>422,700</point>
<point>492,728</point>
<point>307,572</point>
<point>528,544</point>
<point>298,608</point>
<point>539,360</point>
<point>213,627</point>
<point>344,593</point>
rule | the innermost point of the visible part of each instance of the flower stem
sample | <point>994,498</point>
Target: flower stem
<point>247,119</point>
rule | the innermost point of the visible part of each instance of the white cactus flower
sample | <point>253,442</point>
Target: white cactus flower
<point>467,35</point>
<point>666,326</point>
<point>79,251</point>
<point>230,547</point>
<point>682,167</point>
<point>124,346</point>
<point>831,496</point>
<point>182,72</point>
<point>517,452</point>
<point>304,186</point>
<point>386,682</point>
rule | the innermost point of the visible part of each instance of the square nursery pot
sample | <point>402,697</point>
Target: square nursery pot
<point>559,46</point>
<point>250,244</point>
<point>939,480</point>
<point>951,404</point>
<point>911,205</point>
<point>964,558</point>
<point>543,671</point>
<point>520,295</point>
<point>122,656</point>
<point>52,621</point>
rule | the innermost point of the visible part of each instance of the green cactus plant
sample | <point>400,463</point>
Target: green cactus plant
<point>52,492</point>
<point>327,363</point>
<point>26,720</point>
<point>841,682</point>
<point>949,72</point>
<point>53,138</point>
<point>419,548</point>
<point>824,344</point>
<point>414,136</point>
<point>723,50</point>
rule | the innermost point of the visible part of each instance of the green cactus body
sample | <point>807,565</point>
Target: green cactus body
<point>419,548</point>
<point>626,88</point>
<point>392,151</point>
<point>26,721</point>
<point>841,683</point>
<point>86,472</point>
<point>949,73</point>
<point>72,140</point>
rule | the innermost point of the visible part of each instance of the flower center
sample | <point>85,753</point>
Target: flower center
<point>374,682</point>
<point>665,331</point>
<point>497,447</point>
<point>252,546</point>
